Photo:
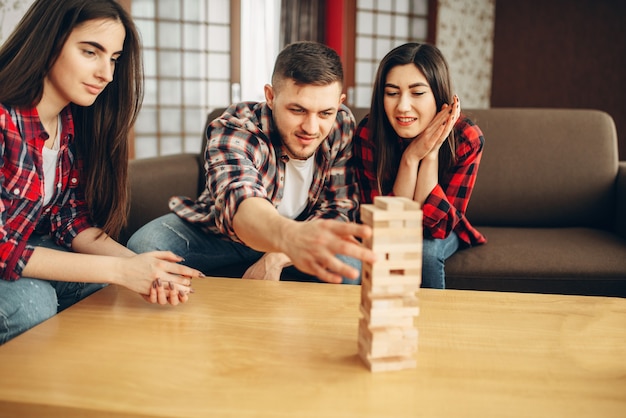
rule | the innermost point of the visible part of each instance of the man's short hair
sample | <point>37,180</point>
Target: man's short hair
<point>308,62</point>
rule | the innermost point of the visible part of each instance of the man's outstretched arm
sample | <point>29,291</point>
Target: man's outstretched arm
<point>311,245</point>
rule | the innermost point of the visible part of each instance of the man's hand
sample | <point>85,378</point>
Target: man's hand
<point>313,246</point>
<point>268,267</point>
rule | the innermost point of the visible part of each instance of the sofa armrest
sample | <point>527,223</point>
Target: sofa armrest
<point>620,221</point>
<point>153,181</point>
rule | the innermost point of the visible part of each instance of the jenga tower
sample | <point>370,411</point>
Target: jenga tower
<point>387,330</point>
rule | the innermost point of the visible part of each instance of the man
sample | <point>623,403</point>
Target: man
<point>279,187</point>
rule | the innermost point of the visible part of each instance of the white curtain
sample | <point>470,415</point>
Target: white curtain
<point>260,23</point>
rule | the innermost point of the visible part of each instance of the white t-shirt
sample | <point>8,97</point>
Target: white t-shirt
<point>298,179</point>
<point>50,157</point>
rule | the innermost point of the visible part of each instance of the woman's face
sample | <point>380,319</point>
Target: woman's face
<point>86,63</point>
<point>409,102</point>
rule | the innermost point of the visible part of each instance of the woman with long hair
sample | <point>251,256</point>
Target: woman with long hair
<point>416,143</point>
<point>71,85</point>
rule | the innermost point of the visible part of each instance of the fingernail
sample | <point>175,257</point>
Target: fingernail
<point>171,285</point>
<point>201,275</point>
<point>158,282</point>
<point>154,284</point>
<point>191,290</point>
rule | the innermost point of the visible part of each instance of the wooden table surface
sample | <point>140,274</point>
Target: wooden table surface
<point>282,349</point>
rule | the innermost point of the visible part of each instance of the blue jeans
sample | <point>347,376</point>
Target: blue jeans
<point>435,252</point>
<point>27,302</point>
<point>209,253</point>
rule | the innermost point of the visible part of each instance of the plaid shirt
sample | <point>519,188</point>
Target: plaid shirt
<point>444,209</point>
<point>22,138</point>
<point>244,158</point>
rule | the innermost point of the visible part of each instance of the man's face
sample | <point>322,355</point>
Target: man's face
<point>303,114</point>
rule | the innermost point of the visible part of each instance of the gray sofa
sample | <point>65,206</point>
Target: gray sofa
<point>550,198</point>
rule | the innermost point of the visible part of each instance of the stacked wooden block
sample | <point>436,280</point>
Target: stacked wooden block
<point>387,330</point>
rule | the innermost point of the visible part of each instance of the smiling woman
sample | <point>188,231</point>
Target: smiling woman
<point>85,65</point>
<point>65,115</point>
<point>416,143</point>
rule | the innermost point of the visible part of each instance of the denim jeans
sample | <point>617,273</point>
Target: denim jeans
<point>26,302</point>
<point>209,252</point>
<point>435,252</point>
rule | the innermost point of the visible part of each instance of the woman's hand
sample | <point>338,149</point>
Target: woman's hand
<point>428,143</point>
<point>158,277</point>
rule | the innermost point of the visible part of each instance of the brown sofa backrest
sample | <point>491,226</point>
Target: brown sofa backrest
<point>541,167</point>
<point>545,167</point>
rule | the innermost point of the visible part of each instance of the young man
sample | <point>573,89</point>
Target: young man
<point>279,189</point>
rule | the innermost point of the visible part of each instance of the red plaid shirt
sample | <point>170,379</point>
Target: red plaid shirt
<point>444,209</point>
<point>22,211</point>
<point>244,158</point>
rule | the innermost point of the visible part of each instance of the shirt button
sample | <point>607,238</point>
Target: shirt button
<point>59,185</point>
<point>16,191</point>
<point>74,180</point>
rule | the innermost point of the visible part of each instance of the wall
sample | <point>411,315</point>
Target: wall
<point>465,34</point>
<point>10,13</point>
<point>562,53</point>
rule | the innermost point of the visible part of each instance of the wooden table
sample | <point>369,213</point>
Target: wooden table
<point>282,349</point>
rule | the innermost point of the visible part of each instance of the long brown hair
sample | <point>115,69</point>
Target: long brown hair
<point>429,60</point>
<point>101,130</point>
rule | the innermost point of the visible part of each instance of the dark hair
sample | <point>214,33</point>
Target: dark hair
<point>308,62</point>
<point>429,60</point>
<point>102,129</point>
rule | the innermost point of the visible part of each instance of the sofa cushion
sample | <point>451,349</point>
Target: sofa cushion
<point>153,181</point>
<point>545,168</point>
<point>538,258</point>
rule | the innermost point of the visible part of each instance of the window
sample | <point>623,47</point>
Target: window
<point>186,50</point>
<point>382,25</point>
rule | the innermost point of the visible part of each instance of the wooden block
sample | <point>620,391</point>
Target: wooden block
<point>380,219</point>
<point>391,264</point>
<point>388,321</point>
<point>382,342</point>
<point>372,214</point>
<point>389,302</point>
<point>396,203</point>
<point>415,223</point>
<point>404,234</point>
<point>367,215</point>
<point>391,364</point>
<point>389,306</point>
<point>390,203</point>
<point>387,290</point>
<point>398,247</point>
<point>391,274</point>
<point>412,255</point>
<point>384,316</point>
<point>386,364</point>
